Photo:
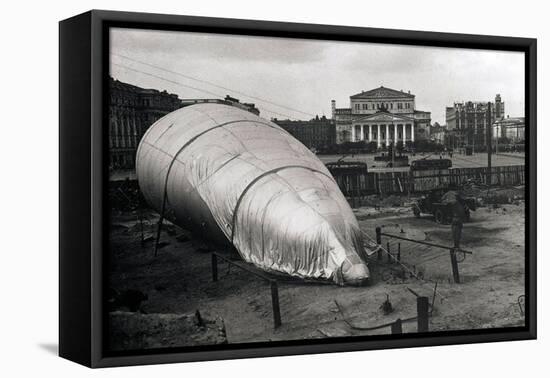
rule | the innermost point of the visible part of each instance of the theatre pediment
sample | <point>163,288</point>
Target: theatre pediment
<point>384,117</point>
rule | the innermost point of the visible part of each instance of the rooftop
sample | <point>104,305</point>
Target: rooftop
<point>382,92</point>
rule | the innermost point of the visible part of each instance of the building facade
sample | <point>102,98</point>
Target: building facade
<point>317,133</point>
<point>381,115</point>
<point>133,109</point>
<point>511,128</point>
<point>228,100</point>
<point>438,133</point>
<point>470,120</point>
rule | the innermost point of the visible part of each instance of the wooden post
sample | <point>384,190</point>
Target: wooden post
<point>398,251</point>
<point>275,303</point>
<point>396,327</point>
<point>389,252</point>
<point>352,195</point>
<point>454,265</point>
<point>359,192</point>
<point>159,227</point>
<point>379,242</point>
<point>489,140</point>
<point>422,309</point>
<point>214,267</point>
<point>140,214</point>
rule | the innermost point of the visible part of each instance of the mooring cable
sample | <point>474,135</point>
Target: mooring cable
<point>403,265</point>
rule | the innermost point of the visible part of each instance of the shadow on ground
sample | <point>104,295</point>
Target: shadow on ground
<point>51,348</point>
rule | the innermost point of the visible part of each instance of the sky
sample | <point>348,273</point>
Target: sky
<point>298,78</point>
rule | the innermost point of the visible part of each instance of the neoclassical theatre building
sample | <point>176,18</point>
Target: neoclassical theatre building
<point>381,115</point>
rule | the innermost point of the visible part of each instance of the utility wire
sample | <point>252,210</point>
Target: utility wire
<point>168,80</point>
<point>213,84</point>
<point>190,86</point>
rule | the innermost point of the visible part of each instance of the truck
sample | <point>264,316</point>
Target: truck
<point>429,164</point>
<point>440,203</point>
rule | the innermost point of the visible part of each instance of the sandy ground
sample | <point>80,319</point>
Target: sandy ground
<point>179,279</point>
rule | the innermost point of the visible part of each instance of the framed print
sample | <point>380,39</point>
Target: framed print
<point>234,188</point>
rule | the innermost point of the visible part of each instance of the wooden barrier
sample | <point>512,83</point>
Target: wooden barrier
<point>360,184</point>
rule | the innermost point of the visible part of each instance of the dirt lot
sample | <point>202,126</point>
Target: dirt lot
<point>179,279</point>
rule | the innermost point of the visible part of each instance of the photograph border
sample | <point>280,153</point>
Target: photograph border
<point>84,223</point>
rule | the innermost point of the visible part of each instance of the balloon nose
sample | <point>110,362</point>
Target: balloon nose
<point>355,274</point>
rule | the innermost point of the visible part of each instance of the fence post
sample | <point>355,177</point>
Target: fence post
<point>389,252</point>
<point>399,252</point>
<point>454,265</point>
<point>396,327</point>
<point>275,303</point>
<point>379,242</point>
<point>214,267</point>
<point>140,215</point>
<point>422,309</point>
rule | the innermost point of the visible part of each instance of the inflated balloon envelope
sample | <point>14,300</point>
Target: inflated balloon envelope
<point>240,179</point>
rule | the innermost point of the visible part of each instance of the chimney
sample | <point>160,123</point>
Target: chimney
<point>333,108</point>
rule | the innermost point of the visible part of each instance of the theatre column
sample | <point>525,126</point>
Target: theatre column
<point>387,135</point>
<point>353,133</point>
<point>412,132</point>
<point>378,135</point>
<point>362,136</point>
<point>370,133</point>
<point>395,134</point>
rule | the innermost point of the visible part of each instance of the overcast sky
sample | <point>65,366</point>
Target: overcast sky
<point>306,75</point>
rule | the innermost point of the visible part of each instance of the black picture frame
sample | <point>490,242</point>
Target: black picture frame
<point>83,73</point>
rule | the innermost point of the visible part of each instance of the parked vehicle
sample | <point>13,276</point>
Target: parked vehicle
<point>425,164</point>
<point>440,203</point>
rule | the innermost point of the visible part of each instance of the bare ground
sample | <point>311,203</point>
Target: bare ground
<point>179,279</point>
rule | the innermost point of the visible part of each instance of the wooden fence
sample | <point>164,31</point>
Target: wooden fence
<point>365,183</point>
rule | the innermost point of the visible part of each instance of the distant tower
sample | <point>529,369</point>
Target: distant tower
<point>499,107</point>
<point>333,108</point>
